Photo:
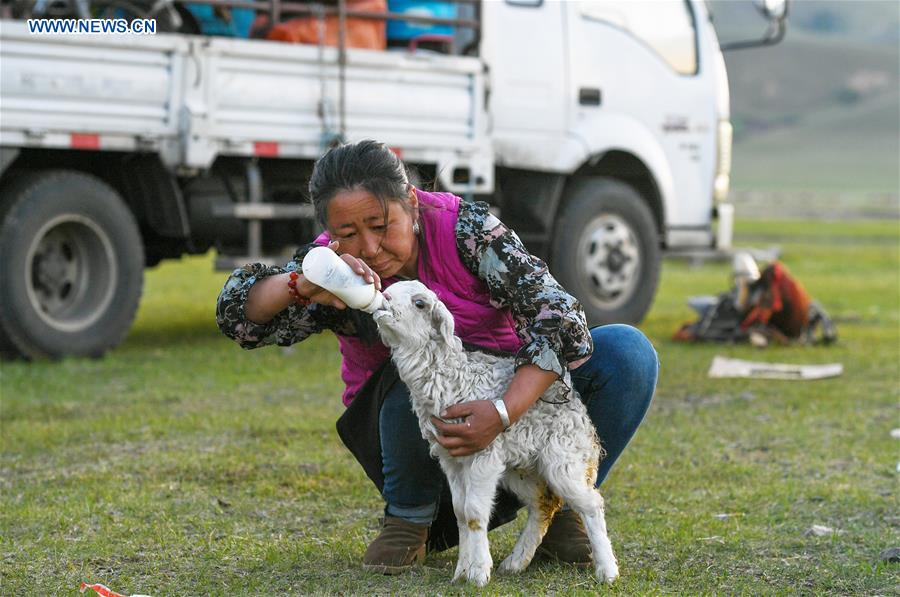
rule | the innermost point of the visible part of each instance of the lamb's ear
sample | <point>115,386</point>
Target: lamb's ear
<point>442,322</point>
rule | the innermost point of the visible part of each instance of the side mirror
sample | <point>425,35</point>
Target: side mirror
<point>773,10</point>
<point>776,12</point>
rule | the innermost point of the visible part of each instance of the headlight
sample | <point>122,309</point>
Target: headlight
<point>723,162</point>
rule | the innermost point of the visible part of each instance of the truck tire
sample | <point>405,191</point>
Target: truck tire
<point>606,250</point>
<point>71,265</point>
<point>8,350</point>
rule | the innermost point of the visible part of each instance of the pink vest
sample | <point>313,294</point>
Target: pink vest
<point>441,270</point>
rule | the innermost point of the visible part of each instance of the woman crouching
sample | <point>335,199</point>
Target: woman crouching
<point>502,299</point>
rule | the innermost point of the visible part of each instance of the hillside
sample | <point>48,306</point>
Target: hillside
<point>819,112</point>
<point>780,85</point>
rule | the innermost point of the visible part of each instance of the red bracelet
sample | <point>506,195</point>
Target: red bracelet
<point>292,289</point>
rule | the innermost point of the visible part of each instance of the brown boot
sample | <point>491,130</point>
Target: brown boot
<point>566,540</point>
<point>399,546</point>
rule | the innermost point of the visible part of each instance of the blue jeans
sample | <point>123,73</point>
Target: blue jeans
<point>616,384</point>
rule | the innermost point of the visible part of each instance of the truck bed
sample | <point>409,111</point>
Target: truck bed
<point>193,98</point>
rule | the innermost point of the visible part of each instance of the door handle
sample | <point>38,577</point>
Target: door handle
<point>589,96</point>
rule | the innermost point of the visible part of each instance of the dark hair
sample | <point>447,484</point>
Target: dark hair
<point>367,165</point>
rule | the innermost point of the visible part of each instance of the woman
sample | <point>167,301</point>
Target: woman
<point>502,299</point>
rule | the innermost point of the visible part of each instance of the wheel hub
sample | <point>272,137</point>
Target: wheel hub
<point>55,266</point>
<point>610,260</point>
<point>616,259</point>
<point>71,273</point>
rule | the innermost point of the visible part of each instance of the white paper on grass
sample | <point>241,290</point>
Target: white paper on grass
<point>725,367</point>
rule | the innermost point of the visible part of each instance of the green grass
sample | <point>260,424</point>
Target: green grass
<point>852,151</point>
<point>180,464</point>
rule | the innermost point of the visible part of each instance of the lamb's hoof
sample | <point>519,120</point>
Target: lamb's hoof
<point>607,574</point>
<point>512,565</point>
<point>459,575</point>
<point>479,575</point>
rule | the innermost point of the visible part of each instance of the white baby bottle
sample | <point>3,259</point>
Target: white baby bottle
<point>325,268</point>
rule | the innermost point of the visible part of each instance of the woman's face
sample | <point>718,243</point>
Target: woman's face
<point>356,220</point>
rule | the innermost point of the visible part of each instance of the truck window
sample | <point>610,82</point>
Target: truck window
<point>667,26</point>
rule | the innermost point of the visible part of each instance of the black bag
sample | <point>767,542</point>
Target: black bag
<point>720,322</point>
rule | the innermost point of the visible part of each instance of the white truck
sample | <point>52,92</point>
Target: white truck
<point>598,129</point>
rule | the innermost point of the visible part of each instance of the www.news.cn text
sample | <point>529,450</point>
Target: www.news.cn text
<point>92,26</point>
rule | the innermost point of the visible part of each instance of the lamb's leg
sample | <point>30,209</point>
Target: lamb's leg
<point>458,492</point>
<point>480,481</point>
<point>542,505</point>
<point>579,493</point>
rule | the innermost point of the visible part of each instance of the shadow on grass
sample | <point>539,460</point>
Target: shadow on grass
<point>174,333</point>
<point>169,336</point>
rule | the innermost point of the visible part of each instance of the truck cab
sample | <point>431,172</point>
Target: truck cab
<point>612,139</point>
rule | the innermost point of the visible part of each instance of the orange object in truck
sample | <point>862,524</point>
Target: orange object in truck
<point>361,33</point>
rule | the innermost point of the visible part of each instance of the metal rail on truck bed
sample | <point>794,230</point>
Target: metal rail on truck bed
<point>193,99</point>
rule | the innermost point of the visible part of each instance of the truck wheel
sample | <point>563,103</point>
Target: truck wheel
<point>71,265</point>
<point>606,250</point>
<point>7,348</point>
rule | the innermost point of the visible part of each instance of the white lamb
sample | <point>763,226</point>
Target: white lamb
<point>548,456</point>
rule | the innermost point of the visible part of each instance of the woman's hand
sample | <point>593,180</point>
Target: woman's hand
<point>482,421</point>
<point>317,294</point>
<point>480,426</point>
<point>358,265</point>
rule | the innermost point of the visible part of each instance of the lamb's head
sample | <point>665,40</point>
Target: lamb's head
<point>412,316</point>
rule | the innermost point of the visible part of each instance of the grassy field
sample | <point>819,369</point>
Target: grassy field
<point>851,151</point>
<point>180,464</point>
